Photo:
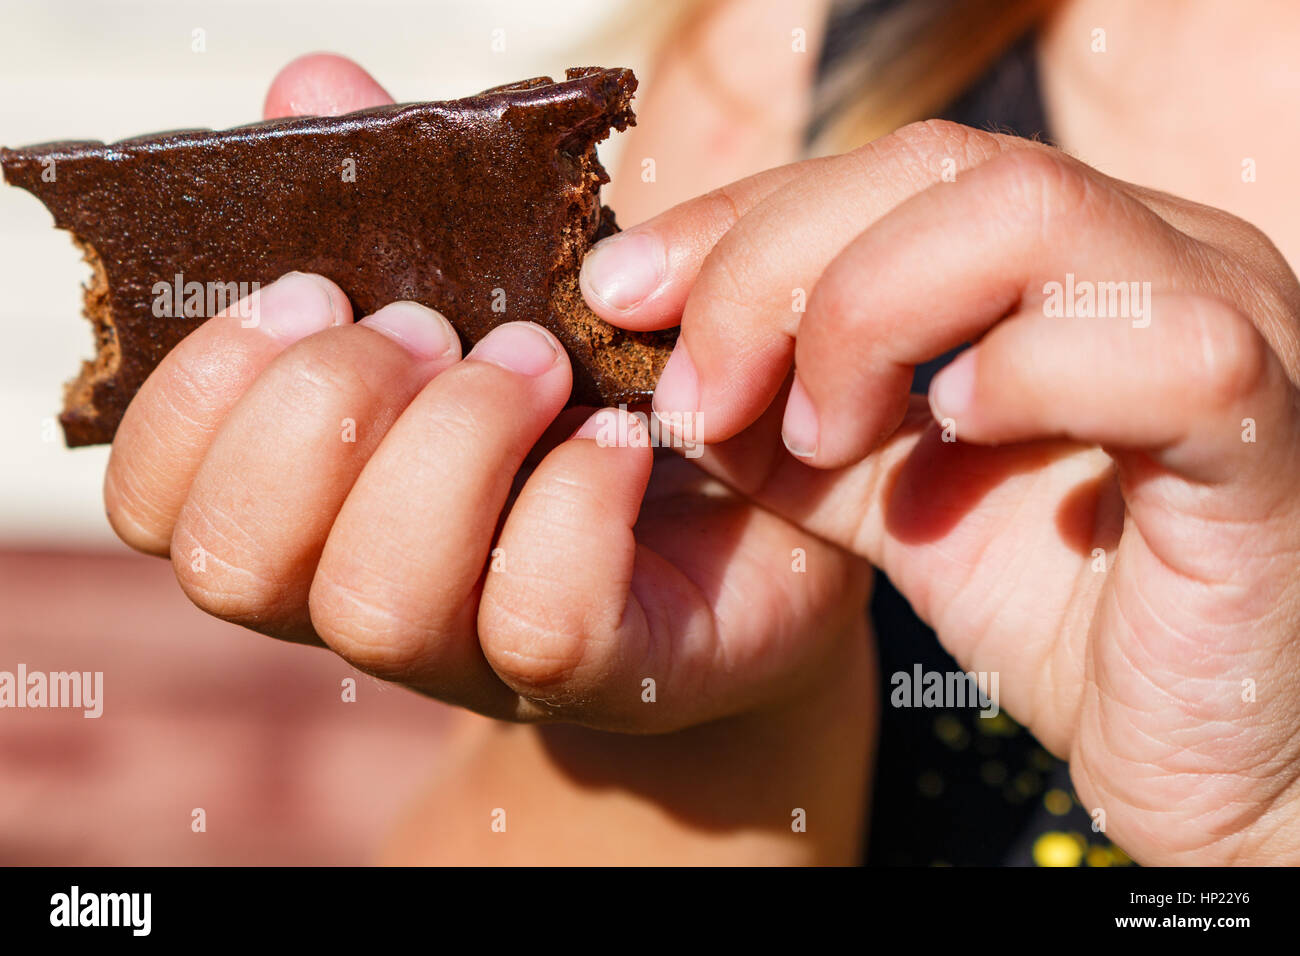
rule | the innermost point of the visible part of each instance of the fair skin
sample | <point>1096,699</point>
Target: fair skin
<point>1112,437</point>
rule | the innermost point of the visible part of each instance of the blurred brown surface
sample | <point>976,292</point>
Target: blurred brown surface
<point>197,713</point>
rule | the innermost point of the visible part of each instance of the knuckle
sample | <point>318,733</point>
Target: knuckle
<point>163,432</point>
<point>926,143</point>
<point>724,284</point>
<point>1243,239</point>
<point>215,563</point>
<point>1225,355</point>
<point>933,136</point>
<point>1255,270</point>
<point>834,313</point>
<point>190,385</point>
<point>539,654</point>
<point>721,208</point>
<point>1040,188</point>
<point>319,376</point>
<point>136,522</point>
<point>361,621</point>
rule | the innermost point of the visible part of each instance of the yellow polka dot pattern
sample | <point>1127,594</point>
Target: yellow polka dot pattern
<point>1057,849</point>
<point>1053,848</point>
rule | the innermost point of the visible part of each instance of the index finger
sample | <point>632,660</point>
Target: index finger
<point>738,291</point>
<point>639,279</point>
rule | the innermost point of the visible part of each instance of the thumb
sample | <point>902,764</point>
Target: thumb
<point>322,84</point>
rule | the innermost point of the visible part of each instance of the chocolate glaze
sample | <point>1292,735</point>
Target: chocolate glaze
<point>460,205</point>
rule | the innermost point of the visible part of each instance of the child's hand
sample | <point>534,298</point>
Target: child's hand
<point>1139,603</point>
<point>351,485</point>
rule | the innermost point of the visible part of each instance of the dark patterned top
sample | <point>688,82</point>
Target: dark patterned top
<point>951,787</point>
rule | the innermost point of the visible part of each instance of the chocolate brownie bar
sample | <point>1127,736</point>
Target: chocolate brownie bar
<point>481,208</point>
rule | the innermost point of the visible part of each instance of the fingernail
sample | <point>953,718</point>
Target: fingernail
<point>799,428</point>
<point>293,307</point>
<point>952,392</point>
<point>614,427</point>
<point>518,346</point>
<point>623,271</point>
<point>678,391</point>
<point>599,426</point>
<point>424,333</point>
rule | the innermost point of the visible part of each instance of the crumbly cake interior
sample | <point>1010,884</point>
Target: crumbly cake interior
<point>78,393</point>
<point>625,365</point>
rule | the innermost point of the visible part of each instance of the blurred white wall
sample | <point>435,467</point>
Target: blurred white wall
<point>108,69</point>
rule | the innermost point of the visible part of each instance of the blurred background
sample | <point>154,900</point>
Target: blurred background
<point>197,713</point>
